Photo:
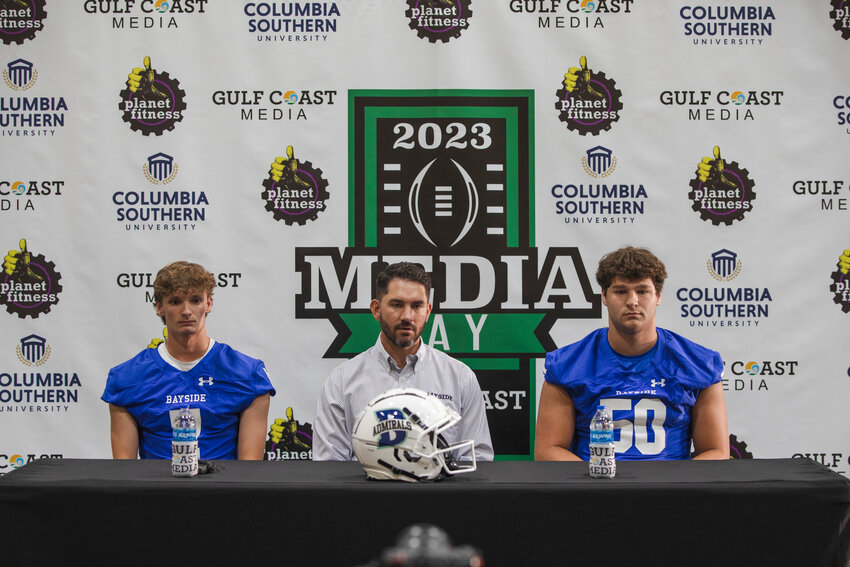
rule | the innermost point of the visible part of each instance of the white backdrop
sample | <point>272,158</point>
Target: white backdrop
<point>763,81</point>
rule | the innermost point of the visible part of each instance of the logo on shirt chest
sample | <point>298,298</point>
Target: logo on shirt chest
<point>205,381</point>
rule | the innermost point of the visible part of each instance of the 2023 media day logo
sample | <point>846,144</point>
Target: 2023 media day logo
<point>446,179</point>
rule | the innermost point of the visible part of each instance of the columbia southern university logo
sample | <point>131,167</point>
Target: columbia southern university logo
<point>570,14</point>
<point>294,191</point>
<point>37,390</point>
<point>144,14</point>
<point>293,22</point>
<point>841,103</point>
<point>588,102</point>
<point>152,101</point>
<point>724,306</point>
<point>29,283</point>
<point>599,203</point>
<point>28,116</point>
<point>20,20</point>
<point>721,191</point>
<point>840,16</point>
<point>446,179</point>
<point>438,20</point>
<point>840,286</point>
<point>722,105</point>
<point>289,439</point>
<point>33,350</point>
<point>167,209</point>
<point>275,105</point>
<point>714,25</point>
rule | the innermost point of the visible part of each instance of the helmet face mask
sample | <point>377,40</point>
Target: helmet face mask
<point>398,436</point>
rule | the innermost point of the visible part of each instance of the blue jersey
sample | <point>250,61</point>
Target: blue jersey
<point>222,385</point>
<point>650,396</point>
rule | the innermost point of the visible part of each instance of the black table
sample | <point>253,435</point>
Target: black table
<point>739,512</point>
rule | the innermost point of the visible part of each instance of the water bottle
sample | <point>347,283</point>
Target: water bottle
<point>601,463</point>
<point>184,445</point>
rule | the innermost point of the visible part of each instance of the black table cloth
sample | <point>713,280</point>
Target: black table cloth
<point>737,512</point>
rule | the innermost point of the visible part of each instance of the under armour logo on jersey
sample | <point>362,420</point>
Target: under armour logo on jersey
<point>205,381</point>
<point>657,383</point>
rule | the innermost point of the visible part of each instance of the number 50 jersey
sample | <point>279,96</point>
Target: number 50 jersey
<point>650,396</point>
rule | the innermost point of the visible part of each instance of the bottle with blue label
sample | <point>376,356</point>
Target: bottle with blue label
<point>184,445</point>
<point>601,463</point>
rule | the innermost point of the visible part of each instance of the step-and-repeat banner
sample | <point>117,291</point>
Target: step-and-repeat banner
<point>504,144</point>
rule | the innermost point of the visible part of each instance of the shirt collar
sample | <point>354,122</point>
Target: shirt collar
<point>386,361</point>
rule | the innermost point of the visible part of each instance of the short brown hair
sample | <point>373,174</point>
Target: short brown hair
<point>181,276</point>
<point>631,264</point>
<point>404,271</point>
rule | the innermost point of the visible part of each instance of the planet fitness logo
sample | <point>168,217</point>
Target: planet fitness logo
<point>840,15</point>
<point>294,192</point>
<point>738,449</point>
<point>588,101</point>
<point>840,286</point>
<point>29,284</point>
<point>20,20</point>
<point>289,439</point>
<point>438,20</point>
<point>152,102</point>
<point>721,192</point>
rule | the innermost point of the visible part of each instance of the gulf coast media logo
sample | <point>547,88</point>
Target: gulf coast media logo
<point>571,14</point>
<point>22,195</point>
<point>445,178</point>
<point>11,460</point>
<point>36,388</point>
<point>756,375</point>
<point>292,22</point>
<point>829,194</point>
<point>160,207</point>
<point>588,102</point>
<point>438,20</point>
<point>31,115</point>
<point>275,104</point>
<point>144,281</point>
<point>29,283</point>
<point>724,306</point>
<point>727,26</point>
<point>600,203</point>
<point>723,105</point>
<point>20,21</point>
<point>145,14</point>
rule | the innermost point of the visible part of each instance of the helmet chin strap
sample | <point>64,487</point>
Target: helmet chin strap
<point>401,472</point>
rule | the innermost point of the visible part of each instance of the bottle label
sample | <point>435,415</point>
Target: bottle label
<point>184,458</point>
<point>601,463</point>
<point>181,435</point>
<point>601,436</point>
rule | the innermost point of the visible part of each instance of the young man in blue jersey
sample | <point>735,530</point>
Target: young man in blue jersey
<point>663,390</point>
<point>230,390</point>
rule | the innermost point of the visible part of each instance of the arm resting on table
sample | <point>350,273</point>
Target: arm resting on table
<point>124,433</point>
<point>556,422</point>
<point>252,430</point>
<point>710,429</point>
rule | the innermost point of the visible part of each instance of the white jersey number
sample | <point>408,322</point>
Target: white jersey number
<point>637,433</point>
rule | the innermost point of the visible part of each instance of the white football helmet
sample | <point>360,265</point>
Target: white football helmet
<point>398,436</point>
